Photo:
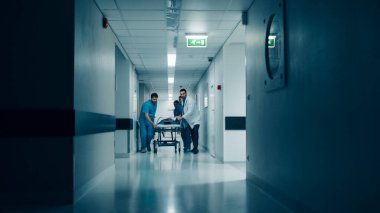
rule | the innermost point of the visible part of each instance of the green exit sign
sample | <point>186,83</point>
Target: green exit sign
<point>271,41</point>
<point>196,42</point>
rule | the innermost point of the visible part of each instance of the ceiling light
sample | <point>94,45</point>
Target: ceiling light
<point>196,36</point>
<point>171,80</point>
<point>171,60</point>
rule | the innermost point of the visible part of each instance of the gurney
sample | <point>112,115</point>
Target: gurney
<point>167,126</point>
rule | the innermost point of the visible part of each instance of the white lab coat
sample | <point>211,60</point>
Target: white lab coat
<point>190,112</point>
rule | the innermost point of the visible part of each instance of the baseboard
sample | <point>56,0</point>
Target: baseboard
<point>82,191</point>
<point>276,195</point>
<point>121,155</point>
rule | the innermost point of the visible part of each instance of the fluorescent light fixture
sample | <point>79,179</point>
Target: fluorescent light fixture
<point>170,95</point>
<point>171,60</point>
<point>171,80</point>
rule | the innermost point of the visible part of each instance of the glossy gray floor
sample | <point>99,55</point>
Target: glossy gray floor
<point>172,183</point>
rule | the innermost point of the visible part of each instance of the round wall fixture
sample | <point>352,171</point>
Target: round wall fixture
<point>274,48</point>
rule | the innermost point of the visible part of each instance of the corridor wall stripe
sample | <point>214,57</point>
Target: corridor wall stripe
<point>54,122</point>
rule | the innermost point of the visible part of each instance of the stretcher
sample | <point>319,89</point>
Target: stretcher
<point>163,139</point>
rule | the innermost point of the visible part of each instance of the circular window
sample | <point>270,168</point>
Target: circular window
<point>273,46</point>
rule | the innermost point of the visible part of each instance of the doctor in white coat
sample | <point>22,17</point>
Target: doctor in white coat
<point>190,120</point>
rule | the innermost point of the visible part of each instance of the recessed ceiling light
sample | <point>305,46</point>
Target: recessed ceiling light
<point>171,60</point>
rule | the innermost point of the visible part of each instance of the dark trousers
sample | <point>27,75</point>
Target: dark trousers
<point>190,134</point>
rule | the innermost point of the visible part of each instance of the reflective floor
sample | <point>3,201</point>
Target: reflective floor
<point>172,183</point>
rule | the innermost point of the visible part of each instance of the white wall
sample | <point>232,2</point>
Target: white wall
<point>227,70</point>
<point>202,93</point>
<point>219,120</point>
<point>234,103</point>
<point>164,109</point>
<point>133,106</point>
<point>122,79</point>
<point>210,76</point>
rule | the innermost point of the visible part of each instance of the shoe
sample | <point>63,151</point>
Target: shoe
<point>186,150</point>
<point>143,150</point>
<point>195,151</point>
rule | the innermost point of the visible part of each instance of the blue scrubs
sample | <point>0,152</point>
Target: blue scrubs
<point>177,110</point>
<point>146,128</point>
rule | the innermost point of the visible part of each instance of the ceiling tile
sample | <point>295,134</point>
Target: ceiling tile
<point>143,15</point>
<point>145,46</point>
<point>143,39</point>
<point>141,5</point>
<point>148,32</point>
<point>227,25</point>
<point>140,26</point>
<point>148,25</point>
<point>232,16</point>
<point>112,15</point>
<point>205,5</point>
<point>106,4</point>
<point>198,26</point>
<point>193,15</point>
<point>117,25</point>
<point>121,32</point>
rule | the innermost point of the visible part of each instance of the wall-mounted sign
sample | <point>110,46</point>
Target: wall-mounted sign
<point>271,41</point>
<point>196,41</point>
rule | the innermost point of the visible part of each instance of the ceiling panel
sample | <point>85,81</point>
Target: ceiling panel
<point>106,4</point>
<point>112,15</point>
<point>143,15</point>
<point>146,51</point>
<point>151,55</point>
<point>143,39</point>
<point>117,25</point>
<point>198,26</point>
<point>232,15</point>
<point>145,45</point>
<point>147,32</point>
<point>121,32</point>
<point>205,5</point>
<point>140,25</point>
<point>220,33</point>
<point>141,4</point>
<point>193,15</point>
<point>226,25</point>
<point>238,5</point>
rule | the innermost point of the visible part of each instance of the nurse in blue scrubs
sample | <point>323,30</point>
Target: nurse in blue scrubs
<point>147,126</point>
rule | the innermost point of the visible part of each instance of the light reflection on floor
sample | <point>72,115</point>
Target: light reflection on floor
<point>172,183</point>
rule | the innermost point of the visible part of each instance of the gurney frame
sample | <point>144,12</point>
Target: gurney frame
<point>161,129</point>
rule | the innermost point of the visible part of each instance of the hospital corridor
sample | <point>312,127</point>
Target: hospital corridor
<point>189,106</point>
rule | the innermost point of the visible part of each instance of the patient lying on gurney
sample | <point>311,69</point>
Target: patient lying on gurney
<point>168,121</point>
<point>177,111</point>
